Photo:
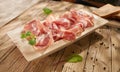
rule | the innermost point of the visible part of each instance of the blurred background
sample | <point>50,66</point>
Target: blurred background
<point>96,3</point>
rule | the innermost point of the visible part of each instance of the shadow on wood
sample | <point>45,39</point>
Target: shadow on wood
<point>56,61</point>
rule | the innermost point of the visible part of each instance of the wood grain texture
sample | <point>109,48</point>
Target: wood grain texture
<point>113,22</point>
<point>107,10</point>
<point>99,58</point>
<point>115,45</point>
<point>106,58</point>
<point>9,9</point>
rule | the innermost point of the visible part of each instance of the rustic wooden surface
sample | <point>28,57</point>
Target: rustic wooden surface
<point>100,50</point>
<point>9,9</point>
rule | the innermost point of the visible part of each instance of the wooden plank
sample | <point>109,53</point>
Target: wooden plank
<point>10,9</point>
<point>12,61</point>
<point>80,47</point>
<point>114,23</point>
<point>99,58</point>
<point>43,65</point>
<point>103,56</point>
<point>115,44</point>
<point>107,10</point>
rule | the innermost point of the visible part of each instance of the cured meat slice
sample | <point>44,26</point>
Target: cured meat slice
<point>62,23</point>
<point>84,23</point>
<point>86,19</point>
<point>57,35</point>
<point>68,16</point>
<point>56,32</point>
<point>78,17</point>
<point>77,28</point>
<point>49,22</point>
<point>32,27</point>
<point>44,39</point>
<point>75,15</point>
<point>68,35</point>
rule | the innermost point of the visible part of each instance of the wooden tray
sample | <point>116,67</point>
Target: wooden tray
<point>30,53</point>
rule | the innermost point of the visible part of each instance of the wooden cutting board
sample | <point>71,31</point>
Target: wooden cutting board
<point>30,53</point>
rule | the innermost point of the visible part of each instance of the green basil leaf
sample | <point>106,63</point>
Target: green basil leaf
<point>74,58</point>
<point>47,10</point>
<point>23,35</point>
<point>28,33</point>
<point>32,41</point>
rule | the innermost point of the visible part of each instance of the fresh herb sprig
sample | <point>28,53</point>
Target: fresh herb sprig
<point>23,35</point>
<point>47,10</point>
<point>28,34</point>
<point>32,41</point>
<point>74,58</point>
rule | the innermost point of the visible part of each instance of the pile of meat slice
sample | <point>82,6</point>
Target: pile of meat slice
<point>66,26</point>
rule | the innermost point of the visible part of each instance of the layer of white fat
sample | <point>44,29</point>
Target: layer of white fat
<point>41,38</point>
<point>34,28</point>
<point>66,20</point>
<point>55,26</point>
<point>62,28</point>
<point>89,20</point>
<point>86,18</point>
<point>82,25</point>
<point>38,31</point>
<point>84,22</point>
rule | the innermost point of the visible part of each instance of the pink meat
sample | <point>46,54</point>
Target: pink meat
<point>68,35</point>
<point>45,38</point>
<point>62,23</point>
<point>76,29</point>
<point>43,41</point>
<point>32,27</point>
<point>66,26</point>
<point>43,34</point>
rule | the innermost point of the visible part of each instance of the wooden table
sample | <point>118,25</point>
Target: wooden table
<point>100,50</point>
